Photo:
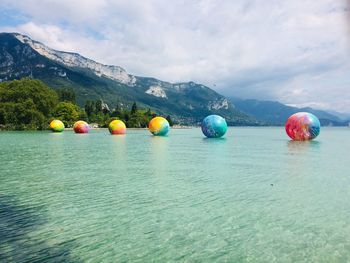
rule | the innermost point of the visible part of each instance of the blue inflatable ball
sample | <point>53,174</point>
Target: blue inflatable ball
<point>214,126</point>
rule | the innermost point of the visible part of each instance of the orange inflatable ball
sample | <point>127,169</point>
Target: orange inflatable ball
<point>117,127</point>
<point>159,126</point>
<point>56,126</point>
<point>81,127</point>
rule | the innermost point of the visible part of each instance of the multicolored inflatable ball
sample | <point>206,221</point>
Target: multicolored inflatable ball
<point>159,126</point>
<point>303,126</point>
<point>117,127</point>
<point>214,126</point>
<point>81,127</point>
<point>56,126</point>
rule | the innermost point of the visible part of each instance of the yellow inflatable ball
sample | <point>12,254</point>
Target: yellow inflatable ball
<point>56,126</point>
<point>117,127</point>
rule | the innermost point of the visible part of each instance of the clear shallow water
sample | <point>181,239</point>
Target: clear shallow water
<point>254,196</point>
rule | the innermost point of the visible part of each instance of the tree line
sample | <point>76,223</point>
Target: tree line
<point>29,104</point>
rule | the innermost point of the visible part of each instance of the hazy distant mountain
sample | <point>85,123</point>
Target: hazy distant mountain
<point>341,116</point>
<point>276,113</point>
<point>21,56</point>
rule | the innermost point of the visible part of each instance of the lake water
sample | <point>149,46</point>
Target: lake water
<point>253,196</point>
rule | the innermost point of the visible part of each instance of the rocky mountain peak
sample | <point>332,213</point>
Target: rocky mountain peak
<point>75,60</point>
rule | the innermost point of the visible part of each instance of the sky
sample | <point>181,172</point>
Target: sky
<point>293,51</point>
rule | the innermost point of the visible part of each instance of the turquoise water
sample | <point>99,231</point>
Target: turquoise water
<point>253,196</point>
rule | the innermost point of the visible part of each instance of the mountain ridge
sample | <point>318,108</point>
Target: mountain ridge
<point>189,102</point>
<point>276,113</point>
<point>73,59</point>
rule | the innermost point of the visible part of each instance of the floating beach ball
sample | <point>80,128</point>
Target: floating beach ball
<point>81,127</point>
<point>214,126</point>
<point>56,126</point>
<point>159,126</point>
<point>117,127</point>
<point>303,126</point>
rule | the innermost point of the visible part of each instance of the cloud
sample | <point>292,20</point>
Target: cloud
<point>293,51</point>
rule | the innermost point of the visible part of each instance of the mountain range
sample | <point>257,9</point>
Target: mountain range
<point>276,113</point>
<point>187,102</point>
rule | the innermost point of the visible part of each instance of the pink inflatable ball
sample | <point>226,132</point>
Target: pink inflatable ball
<point>81,127</point>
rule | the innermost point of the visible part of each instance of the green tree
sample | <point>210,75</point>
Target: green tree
<point>67,112</point>
<point>83,116</point>
<point>126,116</point>
<point>105,110</point>
<point>148,112</point>
<point>133,108</point>
<point>116,112</point>
<point>98,106</point>
<point>21,116</point>
<point>98,118</point>
<point>134,121</point>
<point>18,91</point>
<point>168,118</point>
<point>26,104</point>
<point>66,94</point>
<point>89,108</point>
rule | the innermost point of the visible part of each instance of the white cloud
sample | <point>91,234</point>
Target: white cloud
<point>293,51</point>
